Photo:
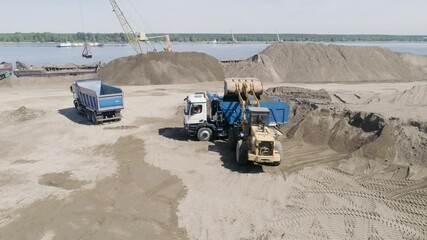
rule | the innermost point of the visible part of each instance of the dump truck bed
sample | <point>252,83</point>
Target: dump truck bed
<point>232,113</point>
<point>95,95</point>
<point>279,112</point>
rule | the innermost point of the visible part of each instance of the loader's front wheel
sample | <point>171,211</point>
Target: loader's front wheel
<point>278,147</point>
<point>242,150</point>
<point>204,134</point>
<point>232,138</point>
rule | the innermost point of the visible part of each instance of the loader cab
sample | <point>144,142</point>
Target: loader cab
<point>259,116</point>
<point>195,111</point>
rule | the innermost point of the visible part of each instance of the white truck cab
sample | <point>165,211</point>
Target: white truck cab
<point>195,109</point>
<point>195,116</point>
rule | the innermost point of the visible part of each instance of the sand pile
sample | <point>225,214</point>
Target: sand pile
<point>416,60</point>
<point>293,62</point>
<point>24,114</point>
<point>162,68</point>
<point>398,143</point>
<point>343,131</point>
<point>360,134</point>
<point>416,96</point>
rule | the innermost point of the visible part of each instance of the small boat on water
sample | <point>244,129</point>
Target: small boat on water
<point>233,39</point>
<point>70,44</point>
<point>280,40</point>
<point>6,69</point>
<point>22,70</point>
<point>95,44</point>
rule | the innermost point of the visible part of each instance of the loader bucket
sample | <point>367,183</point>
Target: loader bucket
<point>232,86</point>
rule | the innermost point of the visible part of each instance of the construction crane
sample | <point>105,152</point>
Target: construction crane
<point>132,37</point>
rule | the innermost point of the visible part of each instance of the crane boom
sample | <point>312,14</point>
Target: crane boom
<point>168,47</point>
<point>132,37</point>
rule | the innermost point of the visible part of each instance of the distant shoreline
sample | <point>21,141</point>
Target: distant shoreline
<point>245,42</point>
<point>207,37</point>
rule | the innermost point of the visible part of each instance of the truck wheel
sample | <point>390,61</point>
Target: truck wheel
<point>242,151</point>
<point>93,118</point>
<point>204,134</point>
<point>88,113</point>
<point>78,108</point>
<point>232,140</point>
<point>278,147</point>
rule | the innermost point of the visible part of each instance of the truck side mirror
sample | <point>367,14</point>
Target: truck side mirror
<point>71,89</point>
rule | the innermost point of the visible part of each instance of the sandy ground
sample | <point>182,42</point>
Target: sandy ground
<point>142,178</point>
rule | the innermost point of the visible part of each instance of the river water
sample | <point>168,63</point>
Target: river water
<point>43,54</point>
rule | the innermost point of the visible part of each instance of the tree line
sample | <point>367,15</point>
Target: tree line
<point>63,37</point>
<point>197,37</point>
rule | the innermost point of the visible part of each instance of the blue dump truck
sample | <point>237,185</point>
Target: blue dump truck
<point>98,101</point>
<point>250,125</point>
<point>209,110</point>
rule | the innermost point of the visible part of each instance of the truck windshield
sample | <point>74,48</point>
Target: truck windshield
<point>187,107</point>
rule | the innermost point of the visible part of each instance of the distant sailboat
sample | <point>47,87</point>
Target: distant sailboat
<point>279,39</point>
<point>233,39</point>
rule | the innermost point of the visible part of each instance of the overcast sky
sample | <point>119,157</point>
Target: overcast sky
<point>219,16</point>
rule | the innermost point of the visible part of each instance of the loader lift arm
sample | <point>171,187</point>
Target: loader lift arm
<point>256,140</point>
<point>247,97</point>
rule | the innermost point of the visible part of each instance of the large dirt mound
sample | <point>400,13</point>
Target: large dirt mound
<point>293,62</point>
<point>162,68</point>
<point>363,134</point>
